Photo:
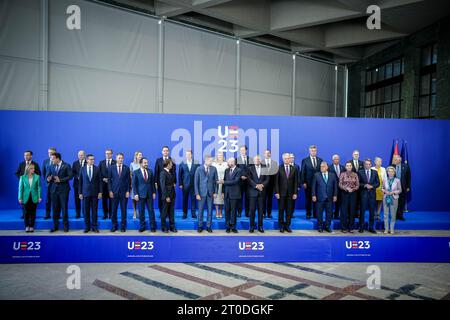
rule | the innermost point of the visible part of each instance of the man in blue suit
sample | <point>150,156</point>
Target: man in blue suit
<point>145,193</point>
<point>205,186</point>
<point>90,188</point>
<point>337,168</point>
<point>119,191</point>
<point>45,169</point>
<point>186,175</point>
<point>310,166</point>
<point>231,194</point>
<point>324,192</point>
<point>58,177</point>
<point>368,183</point>
<point>256,188</point>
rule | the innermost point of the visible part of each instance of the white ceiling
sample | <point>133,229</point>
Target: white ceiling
<point>330,29</point>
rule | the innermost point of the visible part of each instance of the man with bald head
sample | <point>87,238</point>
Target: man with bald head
<point>76,169</point>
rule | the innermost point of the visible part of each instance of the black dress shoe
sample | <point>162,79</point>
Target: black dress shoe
<point>234,231</point>
<point>372,231</point>
<point>122,230</point>
<point>401,219</point>
<point>66,230</point>
<point>282,230</point>
<point>96,230</point>
<point>228,230</point>
<point>239,215</point>
<point>77,216</point>
<point>184,216</point>
<point>288,230</point>
<point>350,231</point>
<point>251,230</point>
<point>54,230</point>
<point>247,215</point>
<point>308,217</point>
<point>105,217</point>
<point>152,230</point>
<point>261,230</point>
<point>209,230</point>
<point>344,231</point>
<point>361,230</point>
<point>113,229</point>
<point>320,230</point>
<point>328,230</point>
<point>86,230</point>
<point>165,230</point>
<point>142,230</point>
<point>174,230</point>
<point>269,216</point>
<point>46,217</point>
<point>194,216</point>
<point>199,230</point>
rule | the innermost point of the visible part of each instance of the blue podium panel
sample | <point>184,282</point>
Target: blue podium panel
<point>148,248</point>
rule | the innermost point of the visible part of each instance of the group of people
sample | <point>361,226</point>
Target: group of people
<point>234,186</point>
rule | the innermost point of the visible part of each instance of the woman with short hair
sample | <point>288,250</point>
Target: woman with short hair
<point>392,187</point>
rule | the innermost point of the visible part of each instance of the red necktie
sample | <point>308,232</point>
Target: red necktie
<point>145,175</point>
<point>120,171</point>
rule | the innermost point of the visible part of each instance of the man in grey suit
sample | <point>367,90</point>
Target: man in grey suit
<point>205,186</point>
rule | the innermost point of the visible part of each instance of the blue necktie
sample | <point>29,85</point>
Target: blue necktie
<point>325,177</point>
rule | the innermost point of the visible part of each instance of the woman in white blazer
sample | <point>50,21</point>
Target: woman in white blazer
<point>392,187</point>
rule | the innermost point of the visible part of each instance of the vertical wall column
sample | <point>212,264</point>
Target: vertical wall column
<point>237,93</point>
<point>346,91</point>
<point>335,89</point>
<point>294,68</point>
<point>160,93</point>
<point>43,83</point>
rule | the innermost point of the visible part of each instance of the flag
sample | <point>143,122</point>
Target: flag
<point>404,153</point>
<point>394,150</point>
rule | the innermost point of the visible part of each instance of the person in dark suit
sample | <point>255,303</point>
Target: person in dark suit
<point>299,177</point>
<point>402,172</point>
<point>310,166</point>
<point>356,166</point>
<point>337,168</point>
<point>76,168</point>
<point>324,193</point>
<point>159,167</point>
<point>205,186</point>
<point>167,184</point>
<point>368,183</point>
<point>186,173</point>
<point>90,187</point>
<point>59,176</point>
<point>145,193</point>
<point>285,190</point>
<point>23,167</point>
<point>257,183</point>
<point>104,169</point>
<point>119,181</point>
<point>270,168</point>
<point>45,169</point>
<point>231,194</point>
<point>243,162</point>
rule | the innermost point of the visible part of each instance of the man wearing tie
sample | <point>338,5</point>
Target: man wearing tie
<point>356,166</point>
<point>324,193</point>
<point>90,186</point>
<point>76,168</point>
<point>145,193</point>
<point>231,194</point>
<point>298,170</point>
<point>257,183</point>
<point>59,176</point>
<point>45,169</point>
<point>270,168</point>
<point>336,168</point>
<point>285,191</point>
<point>403,173</point>
<point>310,166</point>
<point>23,167</point>
<point>205,186</point>
<point>119,180</point>
<point>167,184</point>
<point>104,170</point>
<point>243,162</point>
<point>159,167</point>
<point>186,174</point>
<point>369,182</point>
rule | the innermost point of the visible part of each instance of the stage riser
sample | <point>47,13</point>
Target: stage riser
<point>145,248</point>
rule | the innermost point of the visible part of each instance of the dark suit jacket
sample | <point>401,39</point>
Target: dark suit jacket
<point>76,168</point>
<point>64,174</point>
<point>405,178</point>
<point>244,167</point>
<point>361,165</point>
<point>332,170</point>
<point>159,168</point>
<point>166,182</point>
<point>104,169</point>
<point>141,187</point>
<point>374,182</point>
<point>232,184</point>
<point>119,185</point>
<point>324,191</point>
<point>308,171</point>
<point>186,177</point>
<point>21,169</point>
<point>253,180</point>
<point>90,188</point>
<point>286,186</point>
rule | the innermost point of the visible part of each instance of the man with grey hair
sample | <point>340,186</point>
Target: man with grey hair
<point>77,165</point>
<point>231,194</point>
<point>324,193</point>
<point>336,168</point>
<point>403,173</point>
<point>310,166</point>
<point>257,184</point>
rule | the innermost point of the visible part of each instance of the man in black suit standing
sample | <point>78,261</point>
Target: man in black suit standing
<point>231,194</point>
<point>310,166</point>
<point>243,163</point>
<point>403,173</point>
<point>270,168</point>
<point>285,191</point>
<point>167,182</point>
<point>159,167</point>
<point>186,174</point>
<point>59,176</point>
<point>356,166</point>
<point>257,183</point>
<point>76,168</point>
<point>45,169</point>
<point>104,166</point>
<point>298,170</point>
<point>23,167</point>
<point>336,168</point>
<point>90,187</point>
<point>368,183</point>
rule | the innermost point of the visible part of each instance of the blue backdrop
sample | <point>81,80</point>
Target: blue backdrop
<point>70,131</point>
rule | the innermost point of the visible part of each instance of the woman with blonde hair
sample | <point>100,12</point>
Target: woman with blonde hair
<point>135,165</point>
<point>391,190</point>
<point>30,196</point>
<point>379,193</point>
<point>221,165</point>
